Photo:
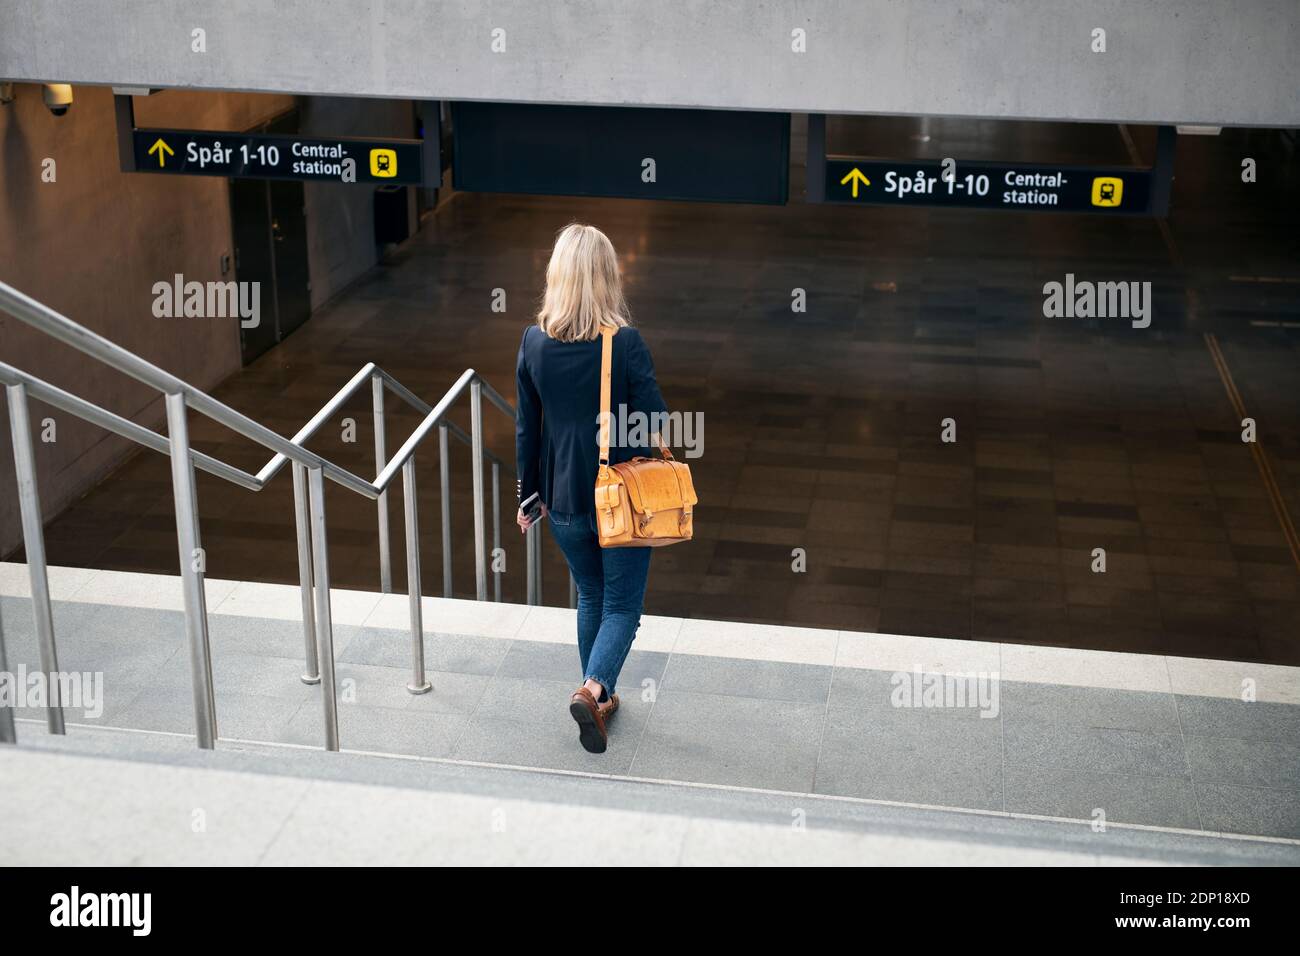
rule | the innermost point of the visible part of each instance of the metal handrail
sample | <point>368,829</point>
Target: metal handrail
<point>41,317</point>
<point>309,472</point>
<point>87,411</point>
<point>59,326</point>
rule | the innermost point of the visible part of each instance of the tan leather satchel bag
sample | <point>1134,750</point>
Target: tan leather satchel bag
<point>645,502</point>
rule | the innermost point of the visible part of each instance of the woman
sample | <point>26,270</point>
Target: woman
<point>558,385</point>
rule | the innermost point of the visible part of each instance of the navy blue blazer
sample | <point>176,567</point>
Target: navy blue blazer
<point>557,387</point>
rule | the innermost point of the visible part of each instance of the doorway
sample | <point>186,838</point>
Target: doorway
<point>269,226</point>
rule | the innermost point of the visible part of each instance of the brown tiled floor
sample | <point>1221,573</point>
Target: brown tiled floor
<point>822,429</point>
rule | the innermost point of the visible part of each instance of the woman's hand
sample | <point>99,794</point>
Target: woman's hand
<point>524,523</point>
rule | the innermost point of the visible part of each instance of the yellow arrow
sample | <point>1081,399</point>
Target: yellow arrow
<point>160,147</point>
<point>855,176</point>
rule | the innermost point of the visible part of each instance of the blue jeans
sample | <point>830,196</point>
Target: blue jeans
<point>611,588</point>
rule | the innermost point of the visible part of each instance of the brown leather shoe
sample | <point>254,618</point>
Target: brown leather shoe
<point>607,709</point>
<point>591,721</point>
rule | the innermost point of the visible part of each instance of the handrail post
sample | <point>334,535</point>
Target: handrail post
<point>29,503</point>
<point>496,532</point>
<point>8,735</point>
<point>444,473</point>
<point>192,565</point>
<point>530,572</point>
<point>324,626</point>
<point>530,557</point>
<point>381,459</point>
<point>537,563</point>
<point>419,684</point>
<point>302,525</point>
<point>480,533</point>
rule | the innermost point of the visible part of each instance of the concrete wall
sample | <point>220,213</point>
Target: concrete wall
<point>341,216</point>
<point>1179,61</point>
<point>91,244</point>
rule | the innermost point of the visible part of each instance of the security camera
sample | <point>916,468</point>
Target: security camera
<point>58,97</point>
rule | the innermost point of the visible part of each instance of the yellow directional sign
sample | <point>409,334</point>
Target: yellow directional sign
<point>160,148</point>
<point>349,159</point>
<point>1109,191</point>
<point>855,176</point>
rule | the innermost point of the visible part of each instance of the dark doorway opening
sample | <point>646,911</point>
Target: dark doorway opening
<point>269,225</point>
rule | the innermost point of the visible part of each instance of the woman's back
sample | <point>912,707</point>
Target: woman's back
<point>558,389</point>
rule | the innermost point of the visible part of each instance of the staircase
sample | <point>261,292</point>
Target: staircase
<point>735,743</point>
<point>310,472</point>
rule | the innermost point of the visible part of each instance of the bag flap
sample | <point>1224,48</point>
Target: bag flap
<point>655,485</point>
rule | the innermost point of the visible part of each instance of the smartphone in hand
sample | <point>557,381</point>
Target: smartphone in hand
<point>531,508</point>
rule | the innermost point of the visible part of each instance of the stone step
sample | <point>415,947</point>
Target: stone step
<point>115,796</point>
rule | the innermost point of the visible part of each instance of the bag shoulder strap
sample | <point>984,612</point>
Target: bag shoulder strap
<point>606,371</point>
<point>605,422</point>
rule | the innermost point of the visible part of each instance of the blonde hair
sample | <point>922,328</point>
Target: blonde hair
<point>584,292</point>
